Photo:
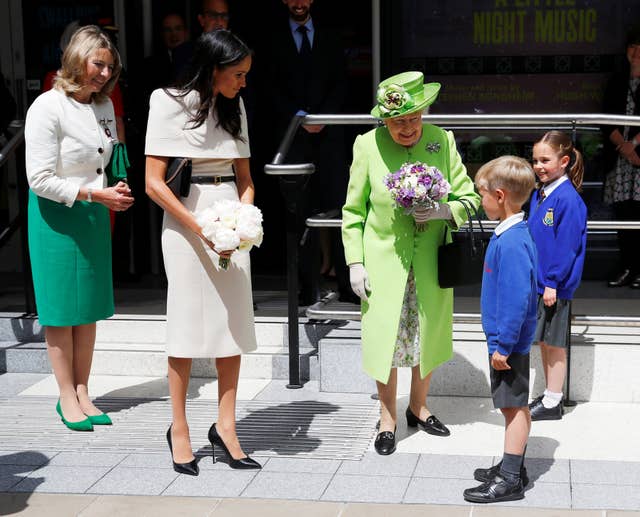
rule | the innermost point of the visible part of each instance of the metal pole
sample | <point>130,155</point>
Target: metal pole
<point>567,393</point>
<point>376,59</point>
<point>23,195</point>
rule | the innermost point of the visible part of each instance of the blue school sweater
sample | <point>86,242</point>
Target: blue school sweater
<point>508,298</point>
<point>559,229</point>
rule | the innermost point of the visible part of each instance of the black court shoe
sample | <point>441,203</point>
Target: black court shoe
<point>496,490</point>
<point>191,468</point>
<point>385,443</point>
<point>431,425</point>
<point>484,475</point>
<point>240,463</point>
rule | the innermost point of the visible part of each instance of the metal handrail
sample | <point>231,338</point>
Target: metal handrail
<point>484,121</point>
<point>13,143</point>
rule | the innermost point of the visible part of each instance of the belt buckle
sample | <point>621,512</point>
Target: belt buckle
<point>217,180</point>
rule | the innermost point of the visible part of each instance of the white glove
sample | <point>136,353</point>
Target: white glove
<point>359,280</point>
<point>440,211</point>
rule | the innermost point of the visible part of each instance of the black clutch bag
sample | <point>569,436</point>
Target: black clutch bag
<point>178,176</point>
<point>461,261</point>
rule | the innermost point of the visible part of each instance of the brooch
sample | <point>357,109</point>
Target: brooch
<point>433,147</point>
<point>104,123</point>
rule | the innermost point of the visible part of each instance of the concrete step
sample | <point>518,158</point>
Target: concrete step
<point>604,363</point>
<point>134,345</point>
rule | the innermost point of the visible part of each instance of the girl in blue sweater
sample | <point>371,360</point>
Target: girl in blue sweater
<point>558,225</point>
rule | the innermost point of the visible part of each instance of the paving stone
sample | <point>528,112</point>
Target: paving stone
<point>368,489</point>
<point>386,510</point>
<point>279,485</point>
<point>301,465</point>
<point>493,510</point>
<point>605,496</point>
<point>548,470</point>
<point>279,508</point>
<point>148,506</point>
<point>35,458</point>
<point>450,466</point>
<point>436,491</point>
<point>134,481</point>
<point>148,460</point>
<point>373,464</point>
<point>68,480</point>
<point>605,472</point>
<point>213,483</point>
<point>87,459</point>
<point>51,505</point>
<point>11,384</point>
<point>11,475</point>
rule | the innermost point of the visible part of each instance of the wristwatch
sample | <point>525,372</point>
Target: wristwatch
<point>89,198</point>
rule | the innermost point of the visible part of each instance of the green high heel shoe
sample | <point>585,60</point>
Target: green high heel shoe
<point>83,425</point>
<point>102,419</point>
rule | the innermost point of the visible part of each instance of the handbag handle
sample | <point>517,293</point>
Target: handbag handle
<point>469,208</point>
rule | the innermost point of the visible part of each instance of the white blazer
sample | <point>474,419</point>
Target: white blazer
<point>67,146</point>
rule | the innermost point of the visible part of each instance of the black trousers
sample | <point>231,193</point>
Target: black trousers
<point>628,240</point>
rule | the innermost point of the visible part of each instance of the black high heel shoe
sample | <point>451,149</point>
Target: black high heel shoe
<point>241,463</point>
<point>191,468</point>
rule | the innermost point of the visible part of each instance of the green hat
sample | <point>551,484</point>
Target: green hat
<point>403,94</point>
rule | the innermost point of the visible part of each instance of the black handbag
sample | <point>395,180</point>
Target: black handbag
<point>178,176</point>
<point>461,261</point>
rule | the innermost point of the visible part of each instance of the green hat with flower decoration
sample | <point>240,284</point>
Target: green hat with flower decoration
<point>403,94</point>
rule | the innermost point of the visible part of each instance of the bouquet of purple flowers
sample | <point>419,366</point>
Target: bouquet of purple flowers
<point>417,185</point>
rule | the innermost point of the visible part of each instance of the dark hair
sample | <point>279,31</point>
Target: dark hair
<point>633,37</point>
<point>218,49</point>
<point>562,144</point>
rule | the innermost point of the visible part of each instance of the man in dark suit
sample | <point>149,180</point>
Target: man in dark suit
<point>304,71</point>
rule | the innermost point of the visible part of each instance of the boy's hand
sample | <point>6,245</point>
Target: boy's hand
<point>499,361</point>
<point>549,296</point>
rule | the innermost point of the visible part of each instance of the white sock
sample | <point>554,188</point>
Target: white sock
<point>551,399</point>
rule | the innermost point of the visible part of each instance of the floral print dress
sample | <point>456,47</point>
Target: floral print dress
<point>407,349</point>
<point>623,182</point>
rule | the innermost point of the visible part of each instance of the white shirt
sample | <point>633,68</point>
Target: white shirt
<point>63,140</point>
<point>169,132</point>
<point>550,187</point>
<point>509,222</point>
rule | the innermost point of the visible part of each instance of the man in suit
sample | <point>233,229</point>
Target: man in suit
<point>214,15</point>
<point>304,71</point>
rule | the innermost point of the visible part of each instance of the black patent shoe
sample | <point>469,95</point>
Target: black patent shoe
<point>190,468</point>
<point>385,443</point>
<point>539,412</point>
<point>431,425</point>
<point>484,475</point>
<point>635,284</point>
<point>623,278</point>
<point>494,491</point>
<point>239,463</point>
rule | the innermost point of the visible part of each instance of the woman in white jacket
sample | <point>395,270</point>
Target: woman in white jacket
<point>69,134</point>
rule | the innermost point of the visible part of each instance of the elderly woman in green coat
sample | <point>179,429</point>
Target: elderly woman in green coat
<point>406,316</point>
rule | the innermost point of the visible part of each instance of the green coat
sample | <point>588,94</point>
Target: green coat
<point>385,240</point>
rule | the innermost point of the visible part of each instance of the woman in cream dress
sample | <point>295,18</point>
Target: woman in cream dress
<point>209,310</point>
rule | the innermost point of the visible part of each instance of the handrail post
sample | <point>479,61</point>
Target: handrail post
<point>292,180</point>
<point>23,200</point>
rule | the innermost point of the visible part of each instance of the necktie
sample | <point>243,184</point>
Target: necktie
<point>541,196</point>
<point>305,48</point>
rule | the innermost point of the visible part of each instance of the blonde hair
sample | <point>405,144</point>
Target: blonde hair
<point>562,144</point>
<point>510,173</point>
<point>84,42</point>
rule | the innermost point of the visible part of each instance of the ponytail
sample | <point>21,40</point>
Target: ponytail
<point>576,169</point>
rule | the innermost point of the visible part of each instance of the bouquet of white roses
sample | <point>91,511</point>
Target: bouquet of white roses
<point>231,225</point>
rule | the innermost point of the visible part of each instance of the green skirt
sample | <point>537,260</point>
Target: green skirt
<point>70,251</point>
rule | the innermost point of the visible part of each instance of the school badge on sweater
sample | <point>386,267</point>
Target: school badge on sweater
<point>548,217</point>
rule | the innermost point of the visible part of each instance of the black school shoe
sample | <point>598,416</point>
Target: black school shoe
<point>484,475</point>
<point>494,491</point>
<point>539,412</point>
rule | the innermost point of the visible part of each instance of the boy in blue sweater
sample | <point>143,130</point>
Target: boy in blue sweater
<point>508,305</point>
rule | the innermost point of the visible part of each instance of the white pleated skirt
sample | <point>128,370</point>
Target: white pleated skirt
<point>209,309</point>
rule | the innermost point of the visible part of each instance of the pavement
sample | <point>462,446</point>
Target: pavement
<point>316,450</point>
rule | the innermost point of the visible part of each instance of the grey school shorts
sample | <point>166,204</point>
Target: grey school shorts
<point>510,388</point>
<point>553,323</point>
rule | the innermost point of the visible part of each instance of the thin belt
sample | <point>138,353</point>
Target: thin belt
<point>215,180</point>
